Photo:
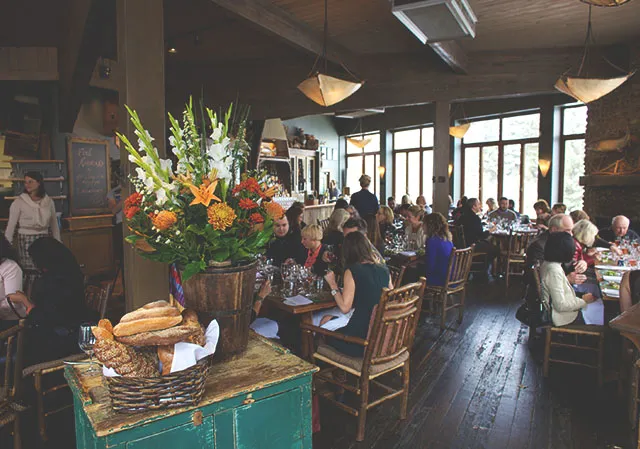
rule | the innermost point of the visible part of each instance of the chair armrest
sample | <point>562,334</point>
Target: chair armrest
<point>328,333</point>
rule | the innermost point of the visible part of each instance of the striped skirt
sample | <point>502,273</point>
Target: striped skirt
<point>29,270</point>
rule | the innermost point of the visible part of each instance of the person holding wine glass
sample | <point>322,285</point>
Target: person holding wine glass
<point>56,308</point>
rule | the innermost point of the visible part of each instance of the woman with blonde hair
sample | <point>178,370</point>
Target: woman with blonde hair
<point>491,205</point>
<point>578,215</point>
<point>333,234</point>
<point>312,241</point>
<point>405,200</point>
<point>584,234</point>
<point>385,218</point>
<point>415,227</point>
<point>438,248</point>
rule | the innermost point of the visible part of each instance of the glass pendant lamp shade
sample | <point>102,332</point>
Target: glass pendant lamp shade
<point>327,90</point>
<point>587,90</point>
<point>459,131</point>
<point>605,2</point>
<point>360,143</point>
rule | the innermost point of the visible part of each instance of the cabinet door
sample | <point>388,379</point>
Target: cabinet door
<point>270,423</point>
<point>187,436</point>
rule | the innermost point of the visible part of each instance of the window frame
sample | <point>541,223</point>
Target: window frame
<point>563,146</point>
<point>420,150</point>
<point>375,179</point>
<point>500,144</point>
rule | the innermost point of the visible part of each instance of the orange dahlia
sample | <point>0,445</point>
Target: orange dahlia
<point>221,216</point>
<point>164,220</point>
<point>132,205</point>
<point>247,204</point>
<point>274,210</point>
<point>256,218</point>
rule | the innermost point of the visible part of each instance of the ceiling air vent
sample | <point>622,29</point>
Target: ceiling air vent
<point>436,20</point>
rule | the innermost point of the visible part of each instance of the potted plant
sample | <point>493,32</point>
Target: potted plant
<point>203,215</point>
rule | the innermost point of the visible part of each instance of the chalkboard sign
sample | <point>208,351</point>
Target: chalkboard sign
<point>88,162</point>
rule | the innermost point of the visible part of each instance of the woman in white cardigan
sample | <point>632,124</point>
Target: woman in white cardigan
<point>34,215</point>
<point>556,289</point>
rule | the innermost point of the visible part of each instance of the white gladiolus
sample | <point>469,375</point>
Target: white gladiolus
<point>217,133</point>
<point>161,197</point>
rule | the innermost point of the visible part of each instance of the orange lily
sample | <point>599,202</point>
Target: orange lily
<point>204,194</point>
<point>270,192</point>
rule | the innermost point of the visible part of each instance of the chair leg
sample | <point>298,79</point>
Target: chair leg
<point>547,352</point>
<point>405,393</point>
<point>633,396</point>
<point>443,315</point>
<point>362,413</point>
<point>37,383</point>
<point>17,436</point>
<point>463,293</point>
<point>600,360</point>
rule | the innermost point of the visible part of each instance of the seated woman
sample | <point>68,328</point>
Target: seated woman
<point>629,290</point>
<point>312,241</point>
<point>543,214</point>
<point>10,282</point>
<point>415,228</point>
<point>333,234</point>
<point>584,234</point>
<point>557,292</point>
<point>438,248</point>
<point>56,307</point>
<point>385,218</point>
<point>363,284</point>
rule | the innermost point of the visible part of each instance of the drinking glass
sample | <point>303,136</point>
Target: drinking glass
<point>86,340</point>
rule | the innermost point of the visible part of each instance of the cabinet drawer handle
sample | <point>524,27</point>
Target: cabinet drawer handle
<point>248,401</point>
<point>197,418</point>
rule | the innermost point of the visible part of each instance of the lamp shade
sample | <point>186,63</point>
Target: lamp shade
<point>544,165</point>
<point>587,90</point>
<point>360,143</point>
<point>459,131</point>
<point>381,171</point>
<point>327,90</point>
<point>274,129</point>
<point>605,2</point>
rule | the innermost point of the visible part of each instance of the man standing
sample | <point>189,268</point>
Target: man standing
<point>503,212</point>
<point>365,202</point>
<point>619,230</point>
<point>285,245</point>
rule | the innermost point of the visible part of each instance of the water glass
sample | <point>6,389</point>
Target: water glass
<point>86,340</point>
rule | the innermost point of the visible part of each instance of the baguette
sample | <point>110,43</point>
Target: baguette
<point>154,304</point>
<point>154,312</point>
<point>161,337</point>
<point>146,325</point>
<point>165,354</point>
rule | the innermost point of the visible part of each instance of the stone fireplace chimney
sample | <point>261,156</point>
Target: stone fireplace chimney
<point>612,178</point>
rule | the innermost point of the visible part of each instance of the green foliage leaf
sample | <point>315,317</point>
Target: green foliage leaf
<point>193,268</point>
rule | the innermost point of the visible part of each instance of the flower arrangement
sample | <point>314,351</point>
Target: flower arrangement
<point>203,212</point>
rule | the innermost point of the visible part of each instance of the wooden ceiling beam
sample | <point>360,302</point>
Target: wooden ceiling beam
<point>452,54</point>
<point>80,47</point>
<point>280,23</point>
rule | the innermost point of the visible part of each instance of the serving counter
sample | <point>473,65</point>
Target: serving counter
<point>318,212</point>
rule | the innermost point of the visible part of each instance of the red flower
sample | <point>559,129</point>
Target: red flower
<point>131,211</point>
<point>247,204</point>
<point>250,185</point>
<point>256,218</point>
<point>132,205</point>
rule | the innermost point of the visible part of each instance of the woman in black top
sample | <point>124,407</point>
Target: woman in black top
<point>294,215</point>
<point>363,284</point>
<point>56,306</point>
<point>333,235</point>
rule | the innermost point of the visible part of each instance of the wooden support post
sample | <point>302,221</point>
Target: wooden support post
<point>545,150</point>
<point>141,54</point>
<point>441,157</point>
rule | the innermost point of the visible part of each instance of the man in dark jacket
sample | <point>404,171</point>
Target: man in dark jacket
<point>285,245</point>
<point>473,231</point>
<point>365,202</point>
<point>619,230</point>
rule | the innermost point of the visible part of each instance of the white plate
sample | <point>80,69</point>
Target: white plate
<point>613,267</point>
<point>617,279</point>
<point>611,292</point>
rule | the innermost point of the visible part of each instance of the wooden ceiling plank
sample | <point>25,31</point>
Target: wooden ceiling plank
<point>452,54</point>
<point>277,21</point>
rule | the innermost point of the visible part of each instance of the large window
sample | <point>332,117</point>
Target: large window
<point>413,163</point>
<point>500,158</point>
<point>574,124</point>
<point>363,161</point>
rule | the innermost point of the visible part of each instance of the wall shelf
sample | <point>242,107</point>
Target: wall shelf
<point>58,197</point>
<point>58,179</point>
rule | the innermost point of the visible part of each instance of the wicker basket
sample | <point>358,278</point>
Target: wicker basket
<point>137,394</point>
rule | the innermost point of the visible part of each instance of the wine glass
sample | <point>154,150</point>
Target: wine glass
<point>86,340</point>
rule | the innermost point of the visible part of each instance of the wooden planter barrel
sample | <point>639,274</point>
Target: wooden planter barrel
<point>224,294</point>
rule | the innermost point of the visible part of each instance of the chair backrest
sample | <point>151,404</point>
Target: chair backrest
<point>519,242</point>
<point>97,298</point>
<point>11,344</point>
<point>394,324</point>
<point>397,274</point>
<point>457,233</point>
<point>535,272</point>
<point>459,267</point>
<point>324,224</point>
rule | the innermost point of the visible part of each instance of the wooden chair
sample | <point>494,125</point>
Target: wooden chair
<point>12,346</point>
<point>516,254</point>
<point>324,224</point>
<point>478,260</point>
<point>576,334</point>
<point>45,381</point>
<point>456,283</point>
<point>397,274</point>
<point>386,349</point>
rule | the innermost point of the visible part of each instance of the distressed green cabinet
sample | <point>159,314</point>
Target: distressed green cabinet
<point>261,400</point>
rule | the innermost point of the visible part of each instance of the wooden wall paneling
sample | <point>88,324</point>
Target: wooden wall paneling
<point>28,64</point>
<point>93,249</point>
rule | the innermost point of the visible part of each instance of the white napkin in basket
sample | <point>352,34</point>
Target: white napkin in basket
<point>186,354</point>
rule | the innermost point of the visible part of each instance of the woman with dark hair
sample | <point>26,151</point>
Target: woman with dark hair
<point>438,248</point>
<point>543,214</point>
<point>341,203</point>
<point>557,292</point>
<point>294,216</point>
<point>10,282</point>
<point>34,213</point>
<point>364,280</point>
<point>56,305</point>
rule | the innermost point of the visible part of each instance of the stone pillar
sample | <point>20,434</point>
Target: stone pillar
<point>545,150</point>
<point>441,158</point>
<point>141,57</point>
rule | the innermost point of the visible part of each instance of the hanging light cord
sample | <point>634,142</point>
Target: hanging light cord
<point>588,42</point>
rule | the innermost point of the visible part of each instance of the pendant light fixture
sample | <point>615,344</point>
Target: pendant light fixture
<point>320,87</point>
<point>460,130</point>
<point>587,89</point>
<point>605,3</point>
